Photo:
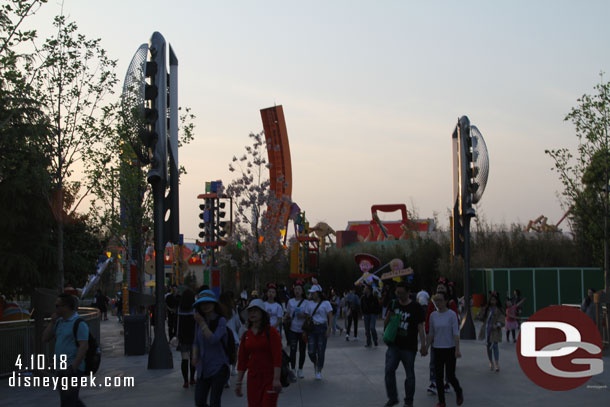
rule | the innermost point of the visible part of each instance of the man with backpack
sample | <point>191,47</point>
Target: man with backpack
<point>61,328</point>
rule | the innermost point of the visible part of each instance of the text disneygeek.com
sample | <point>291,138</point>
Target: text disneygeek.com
<point>18,379</point>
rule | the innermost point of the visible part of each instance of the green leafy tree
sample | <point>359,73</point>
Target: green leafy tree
<point>585,174</point>
<point>73,78</point>
<point>26,221</point>
<point>123,201</point>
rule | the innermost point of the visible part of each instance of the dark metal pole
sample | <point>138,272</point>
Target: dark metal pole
<point>160,356</point>
<point>467,330</point>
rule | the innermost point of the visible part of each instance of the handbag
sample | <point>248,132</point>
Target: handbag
<point>308,324</point>
<point>288,320</point>
<point>391,330</point>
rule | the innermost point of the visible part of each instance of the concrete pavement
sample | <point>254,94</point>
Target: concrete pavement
<point>353,376</point>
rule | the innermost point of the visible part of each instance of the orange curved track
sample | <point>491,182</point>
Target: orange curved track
<point>278,150</point>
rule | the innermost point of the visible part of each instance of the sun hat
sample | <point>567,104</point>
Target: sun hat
<point>258,303</point>
<point>315,289</point>
<point>205,296</point>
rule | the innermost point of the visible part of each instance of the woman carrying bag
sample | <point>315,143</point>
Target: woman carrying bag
<point>260,353</point>
<point>294,318</point>
<point>318,328</point>
<point>492,316</point>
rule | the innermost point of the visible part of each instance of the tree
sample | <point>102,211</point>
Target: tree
<point>73,77</point>
<point>26,220</point>
<point>586,174</point>
<point>122,200</point>
<point>255,248</point>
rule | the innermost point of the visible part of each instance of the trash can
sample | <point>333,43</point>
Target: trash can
<point>135,334</point>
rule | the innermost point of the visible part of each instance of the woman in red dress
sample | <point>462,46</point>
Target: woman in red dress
<point>260,353</point>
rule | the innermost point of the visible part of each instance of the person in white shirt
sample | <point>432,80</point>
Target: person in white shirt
<point>295,315</point>
<point>444,336</point>
<point>321,312</point>
<point>273,308</point>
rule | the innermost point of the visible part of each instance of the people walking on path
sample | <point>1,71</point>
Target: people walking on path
<point>209,349</point>
<point>423,298</point>
<point>404,347</point>
<point>295,316</point>
<point>274,308</point>
<point>387,296</point>
<point>369,304</point>
<point>444,337</point>
<point>227,299</point>
<point>442,287</point>
<point>491,330</point>
<point>101,302</point>
<point>186,333</point>
<point>70,350</point>
<point>515,299</point>
<point>512,318</point>
<point>320,311</point>
<point>172,300</point>
<point>260,354</point>
<point>335,301</point>
<point>119,307</point>
<point>353,313</point>
<point>588,305</point>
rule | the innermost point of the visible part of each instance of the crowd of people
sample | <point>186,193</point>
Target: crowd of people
<point>223,336</point>
<point>304,316</point>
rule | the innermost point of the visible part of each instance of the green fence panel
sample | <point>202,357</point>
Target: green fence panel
<point>593,278</point>
<point>540,286</point>
<point>570,286</point>
<point>546,290</point>
<point>500,283</point>
<point>478,281</point>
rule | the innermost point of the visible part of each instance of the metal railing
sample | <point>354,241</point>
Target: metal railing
<point>17,339</point>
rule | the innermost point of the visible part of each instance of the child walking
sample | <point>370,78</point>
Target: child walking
<point>512,319</point>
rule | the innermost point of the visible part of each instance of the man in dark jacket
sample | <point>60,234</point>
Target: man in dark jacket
<point>369,304</point>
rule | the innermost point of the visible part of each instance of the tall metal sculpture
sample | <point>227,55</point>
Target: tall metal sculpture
<point>145,105</point>
<point>470,172</point>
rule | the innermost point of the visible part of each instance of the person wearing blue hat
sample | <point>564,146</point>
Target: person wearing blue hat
<point>209,354</point>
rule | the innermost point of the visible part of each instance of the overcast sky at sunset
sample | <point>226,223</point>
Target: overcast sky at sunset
<point>371,92</point>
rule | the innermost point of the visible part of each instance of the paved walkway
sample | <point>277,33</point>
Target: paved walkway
<point>353,376</point>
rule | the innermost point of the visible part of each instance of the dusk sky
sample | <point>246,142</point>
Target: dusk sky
<point>371,92</point>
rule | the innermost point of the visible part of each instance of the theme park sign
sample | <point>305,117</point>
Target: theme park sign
<point>397,273</point>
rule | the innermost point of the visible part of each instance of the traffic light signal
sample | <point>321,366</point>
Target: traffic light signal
<point>467,168</point>
<point>207,221</point>
<point>154,135</point>
<point>220,225</point>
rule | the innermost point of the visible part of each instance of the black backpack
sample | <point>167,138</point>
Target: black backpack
<point>93,358</point>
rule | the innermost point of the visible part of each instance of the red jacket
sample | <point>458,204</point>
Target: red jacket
<point>260,353</point>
